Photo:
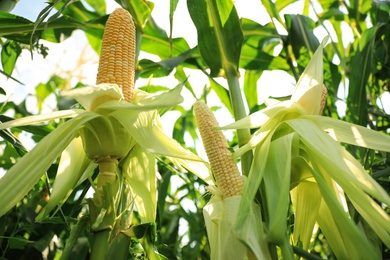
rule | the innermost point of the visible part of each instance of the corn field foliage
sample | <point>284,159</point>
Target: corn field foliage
<point>232,53</point>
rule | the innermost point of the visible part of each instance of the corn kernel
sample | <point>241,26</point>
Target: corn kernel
<point>117,57</point>
<point>223,166</point>
<point>323,98</point>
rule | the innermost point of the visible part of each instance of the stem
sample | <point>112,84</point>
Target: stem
<point>287,252</point>
<point>104,201</point>
<point>100,244</point>
<point>244,135</point>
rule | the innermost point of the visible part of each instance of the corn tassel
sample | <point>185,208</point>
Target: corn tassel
<point>224,168</point>
<point>117,57</point>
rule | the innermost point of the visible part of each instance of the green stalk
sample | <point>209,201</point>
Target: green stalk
<point>236,99</point>
<point>100,244</point>
<point>104,200</point>
<point>287,252</point>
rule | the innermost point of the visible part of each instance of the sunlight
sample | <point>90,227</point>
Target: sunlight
<point>358,137</point>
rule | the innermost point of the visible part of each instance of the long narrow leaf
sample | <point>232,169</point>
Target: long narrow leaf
<point>16,183</point>
<point>219,33</point>
<point>40,118</point>
<point>345,132</point>
<point>140,173</point>
<point>71,167</point>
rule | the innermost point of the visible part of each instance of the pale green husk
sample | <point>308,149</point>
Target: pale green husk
<point>297,151</point>
<point>140,135</point>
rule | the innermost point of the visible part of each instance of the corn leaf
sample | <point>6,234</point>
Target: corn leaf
<point>251,231</point>
<point>72,165</point>
<point>139,9</point>
<point>165,48</point>
<point>348,173</point>
<point>140,172</point>
<point>40,118</point>
<point>345,132</point>
<point>309,87</point>
<point>355,241</point>
<point>306,199</point>
<point>145,101</point>
<point>306,218</point>
<point>220,216</point>
<point>333,156</point>
<point>144,128</point>
<point>361,69</point>
<point>16,183</point>
<point>257,119</point>
<point>277,185</point>
<point>219,33</point>
<point>10,52</point>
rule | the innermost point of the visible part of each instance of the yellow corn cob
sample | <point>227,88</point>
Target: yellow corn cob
<point>323,98</point>
<point>222,164</point>
<point>117,57</point>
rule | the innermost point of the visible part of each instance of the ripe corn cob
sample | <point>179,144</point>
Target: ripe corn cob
<point>223,166</point>
<point>323,98</point>
<point>117,57</point>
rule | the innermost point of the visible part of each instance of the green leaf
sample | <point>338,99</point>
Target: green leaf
<point>145,128</point>
<point>334,155</point>
<point>75,234</point>
<point>98,5</point>
<point>39,119</point>
<point>17,182</point>
<point>9,54</point>
<point>18,242</point>
<point>361,68</point>
<point>250,87</point>
<point>78,12</point>
<point>220,216</point>
<point>12,139</point>
<point>161,68</point>
<point>21,29</point>
<point>172,9</point>
<point>41,130</point>
<point>355,241</point>
<point>306,199</point>
<point>252,230</point>
<point>255,59</point>
<point>140,10</point>
<point>349,133</point>
<point>219,34</point>
<point>9,77</point>
<point>281,4</point>
<point>156,41</point>
<point>222,93</point>
<point>10,23</point>
<point>277,186</point>
<point>272,10</point>
<point>181,76</point>
<point>139,169</point>
<point>341,166</point>
<point>301,38</point>
<point>71,167</point>
<point>144,102</point>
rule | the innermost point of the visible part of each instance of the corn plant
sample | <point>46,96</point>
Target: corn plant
<point>294,178</point>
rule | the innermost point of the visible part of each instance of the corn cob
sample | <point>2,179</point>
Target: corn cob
<point>224,168</point>
<point>117,57</point>
<point>323,98</point>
